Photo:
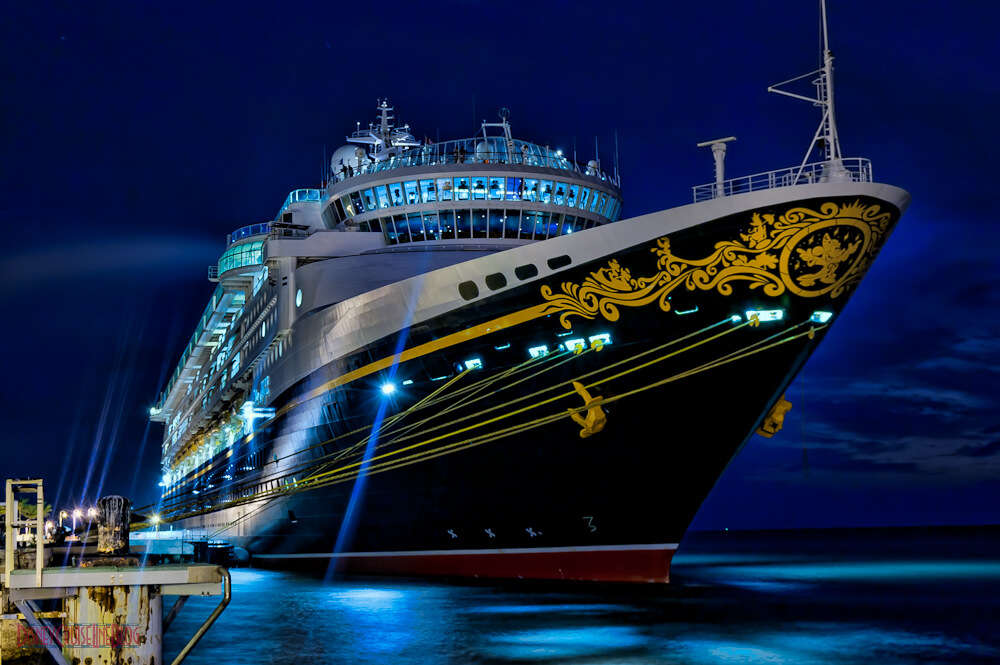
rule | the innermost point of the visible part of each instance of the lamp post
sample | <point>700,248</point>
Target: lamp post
<point>77,514</point>
<point>62,515</point>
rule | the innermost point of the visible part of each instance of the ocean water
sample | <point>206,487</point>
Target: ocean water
<point>866,596</point>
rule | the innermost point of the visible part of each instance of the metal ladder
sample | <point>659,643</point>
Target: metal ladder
<point>13,522</point>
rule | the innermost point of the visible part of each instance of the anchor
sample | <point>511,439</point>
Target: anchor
<point>596,418</point>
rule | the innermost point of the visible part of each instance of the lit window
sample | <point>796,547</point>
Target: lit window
<point>766,314</point>
<point>538,351</point>
<point>576,344</point>
<point>603,339</point>
<point>821,317</point>
<point>474,363</point>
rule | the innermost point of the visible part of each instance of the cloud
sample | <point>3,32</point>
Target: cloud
<point>987,450</point>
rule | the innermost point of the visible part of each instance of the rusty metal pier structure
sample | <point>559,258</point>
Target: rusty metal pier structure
<point>108,609</point>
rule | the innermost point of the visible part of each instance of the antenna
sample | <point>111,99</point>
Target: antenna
<point>597,153</point>
<point>617,180</point>
<point>719,153</point>
<point>826,133</point>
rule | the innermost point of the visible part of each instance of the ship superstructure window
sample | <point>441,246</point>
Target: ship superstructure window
<point>463,223</point>
<point>431,230</point>
<point>370,200</point>
<point>239,256</point>
<point>479,228</point>
<point>514,188</point>
<point>497,189</point>
<point>584,194</point>
<point>444,189</point>
<point>427,191</point>
<point>447,220</point>
<point>410,188</point>
<point>461,189</point>
<point>383,196</point>
<point>479,189</point>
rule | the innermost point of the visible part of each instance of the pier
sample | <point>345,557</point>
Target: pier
<point>105,608</point>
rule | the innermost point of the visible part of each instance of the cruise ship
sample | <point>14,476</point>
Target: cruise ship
<point>458,358</point>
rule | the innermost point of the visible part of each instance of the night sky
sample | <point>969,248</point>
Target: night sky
<point>134,137</point>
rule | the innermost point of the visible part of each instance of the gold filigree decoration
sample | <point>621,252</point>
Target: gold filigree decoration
<point>807,252</point>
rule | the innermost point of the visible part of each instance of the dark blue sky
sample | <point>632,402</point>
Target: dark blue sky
<point>136,136</point>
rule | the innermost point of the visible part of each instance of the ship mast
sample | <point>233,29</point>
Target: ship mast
<point>826,134</point>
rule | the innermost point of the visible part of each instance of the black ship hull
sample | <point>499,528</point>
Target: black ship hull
<point>484,461</point>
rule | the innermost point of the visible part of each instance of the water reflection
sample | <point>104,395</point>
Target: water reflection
<point>759,607</point>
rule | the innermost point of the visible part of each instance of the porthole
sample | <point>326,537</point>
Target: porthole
<point>557,262</point>
<point>496,281</point>
<point>468,290</point>
<point>527,271</point>
<point>298,297</point>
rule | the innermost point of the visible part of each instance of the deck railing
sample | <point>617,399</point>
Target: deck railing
<point>855,169</point>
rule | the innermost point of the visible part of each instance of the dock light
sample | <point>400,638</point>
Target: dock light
<point>602,339</point>
<point>388,388</point>
<point>62,515</point>
<point>155,519</point>
<point>153,411</point>
<point>821,317</point>
<point>735,318</point>
<point>474,363</point>
<point>764,315</point>
<point>575,344</point>
<point>49,525</point>
<point>77,514</point>
<point>538,351</point>
<point>91,513</point>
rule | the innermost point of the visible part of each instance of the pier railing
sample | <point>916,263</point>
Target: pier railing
<point>855,169</point>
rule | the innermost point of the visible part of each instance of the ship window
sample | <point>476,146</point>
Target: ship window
<point>479,224</point>
<point>541,221</point>
<point>468,290</point>
<point>514,187</point>
<point>590,224</point>
<point>461,189</point>
<point>462,224</point>
<point>412,197</point>
<point>348,208</point>
<point>479,188</point>
<point>431,226</point>
<point>416,227</point>
<point>359,207</point>
<point>530,189</point>
<point>584,193</point>
<point>370,200</point>
<point>447,223</point>
<point>375,226</point>
<point>579,224</point>
<point>402,229</point>
<point>339,209</point>
<point>609,203</point>
<point>552,228</point>
<point>557,262</point>
<point>383,196</point>
<point>527,224</point>
<point>574,190</point>
<point>444,188</point>
<point>496,223</point>
<point>559,198</point>
<point>389,229</point>
<point>497,189</point>
<point>363,226</point>
<point>496,281</point>
<point>427,193</point>
<point>511,222</point>
<point>527,271</point>
<point>396,190</point>
<point>545,188</point>
<point>595,199</point>
<point>567,225</point>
